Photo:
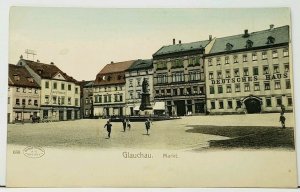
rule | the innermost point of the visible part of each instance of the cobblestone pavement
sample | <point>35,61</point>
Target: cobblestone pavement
<point>172,134</point>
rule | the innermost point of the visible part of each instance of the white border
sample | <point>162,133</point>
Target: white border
<point>4,18</point>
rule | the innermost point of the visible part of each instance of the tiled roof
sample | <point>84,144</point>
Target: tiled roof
<point>47,71</point>
<point>113,73</point>
<point>19,76</point>
<point>181,47</point>
<point>256,39</point>
<point>141,64</point>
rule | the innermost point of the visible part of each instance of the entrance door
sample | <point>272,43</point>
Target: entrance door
<point>253,105</point>
<point>131,111</point>
<point>199,107</point>
<point>61,115</point>
<point>180,106</point>
<point>121,111</point>
<point>107,111</point>
<point>69,114</point>
<point>45,114</point>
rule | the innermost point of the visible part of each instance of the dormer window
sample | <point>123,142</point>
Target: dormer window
<point>108,78</point>
<point>229,46</point>
<point>30,79</point>
<point>103,77</point>
<point>16,77</point>
<point>271,40</point>
<point>249,43</point>
<point>119,77</point>
<point>40,71</point>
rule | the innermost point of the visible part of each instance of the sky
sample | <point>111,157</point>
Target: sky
<point>81,41</point>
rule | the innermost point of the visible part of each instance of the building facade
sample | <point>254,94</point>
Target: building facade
<point>86,99</point>
<point>140,70</point>
<point>60,93</point>
<point>179,78</point>
<point>249,72</point>
<point>23,95</point>
<point>109,90</point>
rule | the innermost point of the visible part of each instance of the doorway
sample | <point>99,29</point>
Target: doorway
<point>180,107</point>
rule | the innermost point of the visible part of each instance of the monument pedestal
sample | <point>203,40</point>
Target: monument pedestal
<point>145,103</point>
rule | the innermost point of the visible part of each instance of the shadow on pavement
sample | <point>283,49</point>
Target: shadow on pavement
<point>247,137</point>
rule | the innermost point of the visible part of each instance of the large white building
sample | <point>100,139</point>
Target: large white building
<point>139,70</point>
<point>60,93</point>
<point>250,72</point>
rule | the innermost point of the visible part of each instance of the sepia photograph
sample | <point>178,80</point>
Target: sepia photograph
<point>160,97</point>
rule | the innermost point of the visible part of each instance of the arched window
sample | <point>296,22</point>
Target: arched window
<point>271,40</point>
<point>249,43</point>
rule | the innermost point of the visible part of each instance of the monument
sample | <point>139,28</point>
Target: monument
<point>145,103</point>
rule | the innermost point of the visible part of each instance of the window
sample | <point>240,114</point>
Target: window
<point>268,102</point>
<point>87,100</point>
<point>237,88</point>
<point>54,99</point>
<point>235,59</point>
<point>228,88</point>
<point>244,58</point>
<point>219,74</point>
<point>278,101</point>
<point>218,61</point>
<point>220,89</point>
<point>286,68</point>
<point>116,98</point>
<point>264,55</point>
<point>18,89</point>
<point>229,106</point>
<point>221,105</point>
<point>17,101</point>
<point>274,54</point>
<point>23,102</point>
<point>211,75</point>
<point>162,78</point>
<point>76,90</point>
<point>181,91</point>
<point>8,100</point>
<point>99,98</point>
<point>131,95</point>
<point>266,69</point>
<point>24,90</point>
<point>69,87</point>
<point>174,91</point>
<point>169,91</point>
<point>29,90</point>
<point>191,61</point>
<point>246,72</point>
<point>277,85</point>
<point>54,85</point>
<point>35,91</point>
<point>255,70</point>
<point>62,100</point>
<point>47,84</point>
<point>236,72</point>
<point>287,84</point>
<point>256,86</point>
<point>29,101</point>
<point>267,85</point>
<point>227,60</point>
<point>130,83</point>
<point>35,103</point>
<point>178,77</point>
<point>69,101</point>
<point>276,68</point>
<point>162,92</point>
<point>290,101</point>
<point>227,73</point>
<point>285,52</point>
<point>109,98</point>
<point>105,98</point>
<point>211,90</point>
<point>194,75</point>
<point>249,43</point>
<point>213,105</point>
<point>209,62</point>
<point>121,98</point>
<point>247,87</point>
<point>76,101</point>
<point>254,57</point>
<point>47,99</point>
<point>62,86</point>
<point>271,40</point>
<point>177,63</point>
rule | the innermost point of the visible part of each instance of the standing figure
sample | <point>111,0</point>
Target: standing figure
<point>147,124</point>
<point>108,126</point>
<point>282,120</point>
<point>128,124</point>
<point>124,124</point>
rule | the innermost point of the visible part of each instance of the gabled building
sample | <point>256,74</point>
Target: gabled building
<point>86,99</point>
<point>23,95</point>
<point>179,78</point>
<point>135,74</point>
<point>250,72</point>
<point>109,90</point>
<point>60,93</point>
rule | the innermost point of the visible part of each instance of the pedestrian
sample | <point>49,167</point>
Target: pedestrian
<point>147,124</point>
<point>282,120</point>
<point>282,109</point>
<point>128,124</point>
<point>108,126</point>
<point>124,124</point>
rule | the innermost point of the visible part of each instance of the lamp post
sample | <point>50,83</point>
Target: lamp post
<point>23,107</point>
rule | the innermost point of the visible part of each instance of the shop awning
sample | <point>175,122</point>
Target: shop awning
<point>159,106</point>
<point>136,108</point>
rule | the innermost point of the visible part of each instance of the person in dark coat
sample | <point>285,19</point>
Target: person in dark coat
<point>128,124</point>
<point>124,124</point>
<point>282,120</point>
<point>108,126</point>
<point>147,124</point>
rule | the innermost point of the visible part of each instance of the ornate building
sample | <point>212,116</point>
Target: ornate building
<point>60,93</point>
<point>109,90</point>
<point>135,74</point>
<point>179,78</point>
<point>249,72</point>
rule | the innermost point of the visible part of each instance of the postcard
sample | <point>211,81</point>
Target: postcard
<point>150,98</point>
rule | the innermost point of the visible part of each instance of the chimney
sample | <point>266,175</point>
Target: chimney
<point>179,41</point>
<point>111,62</point>
<point>271,26</point>
<point>246,34</point>
<point>37,61</point>
<point>174,41</point>
<point>210,37</point>
<point>52,63</point>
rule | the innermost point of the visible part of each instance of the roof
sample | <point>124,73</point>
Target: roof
<point>181,47</point>
<point>113,73</point>
<point>47,71</point>
<point>141,64</point>
<point>19,76</point>
<point>116,67</point>
<point>257,39</point>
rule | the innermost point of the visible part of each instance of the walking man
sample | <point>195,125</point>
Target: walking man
<point>128,124</point>
<point>147,124</point>
<point>124,124</point>
<point>282,120</point>
<point>108,126</point>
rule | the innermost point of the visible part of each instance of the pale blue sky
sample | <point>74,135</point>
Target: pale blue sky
<point>82,40</point>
